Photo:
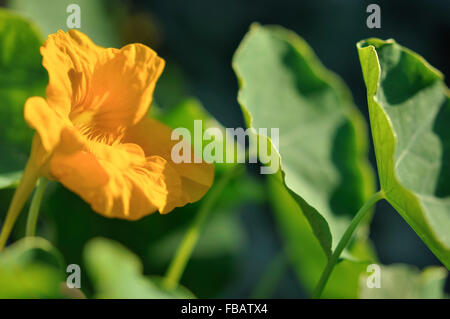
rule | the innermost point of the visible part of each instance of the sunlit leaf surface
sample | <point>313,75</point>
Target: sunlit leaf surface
<point>117,273</point>
<point>31,268</point>
<point>283,85</point>
<point>409,108</point>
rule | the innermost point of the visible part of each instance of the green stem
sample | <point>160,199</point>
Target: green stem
<point>23,191</point>
<point>344,241</point>
<point>34,207</point>
<point>184,251</point>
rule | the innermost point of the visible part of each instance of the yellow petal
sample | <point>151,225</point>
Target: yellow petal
<point>40,116</point>
<point>101,90</point>
<point>120,91</point>
<point>69,58</point>
<point>155,139</point>
<point>117,181</point>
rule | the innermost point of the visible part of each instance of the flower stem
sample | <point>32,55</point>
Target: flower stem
<point>184,251</point>
<point>34,207</point>
<point>344,241</point>
<point>23,191</point>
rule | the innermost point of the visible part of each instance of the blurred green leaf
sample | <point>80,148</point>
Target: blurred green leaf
<point>172,87</point>
<point>190,110</point>
<point>31,268</point>
<point>10,179</point>
<point>21,76</point>
<point>409,108</point>
<point>323,139</point>
<point>406,282</point>
<point>117,273</point>
<point>51,16</point>
<point>185,113</point>
<point>180,292</point>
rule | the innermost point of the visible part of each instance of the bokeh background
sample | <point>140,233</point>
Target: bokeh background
<point>197,38</point>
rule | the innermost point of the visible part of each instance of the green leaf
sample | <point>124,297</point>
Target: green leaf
<point>31,268</point>
<point>184,115</point>
<point>117,273</point>
<point>52,16</point>
<point>21,76</point>
<point>172,88</point>
<point>322,137</point>
<point>409,109</point>
<point>406,282</point>
<point>305,252</point>
<point>8,180</point>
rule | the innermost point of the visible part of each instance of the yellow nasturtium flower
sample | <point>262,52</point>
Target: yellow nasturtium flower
<point>94,137</point>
